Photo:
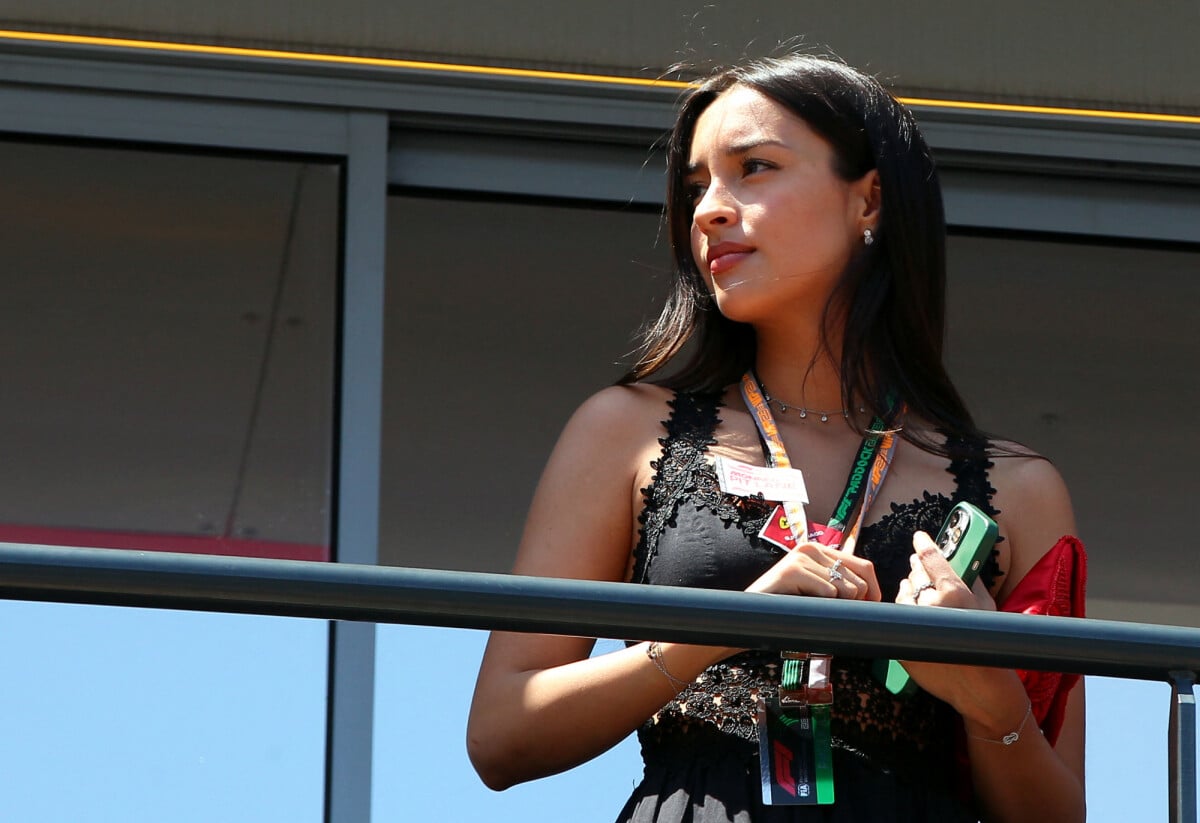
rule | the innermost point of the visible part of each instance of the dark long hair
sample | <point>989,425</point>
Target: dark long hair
<point>891,298</point>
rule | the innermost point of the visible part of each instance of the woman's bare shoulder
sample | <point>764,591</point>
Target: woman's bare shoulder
<point>1027,482</point>
<point>1034,505</point>
<point>589,485</point>
<point>623,405</point>
<point>618,421</point>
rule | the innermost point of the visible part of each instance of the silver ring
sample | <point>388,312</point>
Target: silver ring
<point>919,589</point>
<point>834,574</point>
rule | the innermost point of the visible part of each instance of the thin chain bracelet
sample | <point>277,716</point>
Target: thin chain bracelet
<point>654,652</point>
<point>1011,737</point>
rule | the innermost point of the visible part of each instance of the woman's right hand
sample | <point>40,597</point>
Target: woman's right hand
<point>820,571</point>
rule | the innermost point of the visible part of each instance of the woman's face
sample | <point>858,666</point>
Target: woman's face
<point>773,225</point>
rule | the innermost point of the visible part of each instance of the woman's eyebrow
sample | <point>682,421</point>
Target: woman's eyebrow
<point>752,144</point>
<point>736,149</point>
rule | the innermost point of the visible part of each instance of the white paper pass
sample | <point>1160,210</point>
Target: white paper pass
<point>745,480</point>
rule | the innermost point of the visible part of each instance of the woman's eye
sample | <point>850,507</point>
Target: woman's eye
<point>695,191</point>
<point>752,166</point>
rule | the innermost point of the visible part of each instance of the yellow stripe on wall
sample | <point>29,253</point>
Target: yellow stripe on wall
<point>538,74</point>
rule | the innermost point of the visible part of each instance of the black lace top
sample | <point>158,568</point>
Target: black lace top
<point>693,534</point>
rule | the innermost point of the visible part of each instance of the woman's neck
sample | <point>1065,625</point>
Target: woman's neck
<point>797,370</point>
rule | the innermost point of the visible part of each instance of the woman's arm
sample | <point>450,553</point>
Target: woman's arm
<point>1029,779</point>
<point>541,704</point>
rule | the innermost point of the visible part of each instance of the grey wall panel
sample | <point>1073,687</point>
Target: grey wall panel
<point>1085,353</point>
<point>226,125</point>
<point>501,319</point>
<point>1064,205</point>
<point>1114,53</point>
<point>535,167</point>
<point>170,322</point>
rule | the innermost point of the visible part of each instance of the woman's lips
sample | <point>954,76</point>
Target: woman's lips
<point>724,256</point>
<point>727,261</point>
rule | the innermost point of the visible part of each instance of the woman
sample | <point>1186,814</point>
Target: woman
<point>806,225</point>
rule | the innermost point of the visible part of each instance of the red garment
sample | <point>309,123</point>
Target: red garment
<point>1054,586</point>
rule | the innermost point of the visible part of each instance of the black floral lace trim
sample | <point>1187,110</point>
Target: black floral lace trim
<point>867,721</point>
<point>725,695</point>
<point>970,472</point>
<point>972,484</point>
<point>878,540</point>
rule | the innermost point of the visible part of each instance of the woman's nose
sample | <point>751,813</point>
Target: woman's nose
<point>715,208</point>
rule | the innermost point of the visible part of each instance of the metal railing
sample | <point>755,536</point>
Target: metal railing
<point>380,594</point>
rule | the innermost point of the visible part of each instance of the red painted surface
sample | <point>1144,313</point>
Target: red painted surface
<point>148,541</point>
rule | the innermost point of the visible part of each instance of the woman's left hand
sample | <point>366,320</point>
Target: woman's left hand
<point>932,582</point>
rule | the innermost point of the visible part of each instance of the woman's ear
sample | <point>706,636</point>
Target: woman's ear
<point>870,197</point>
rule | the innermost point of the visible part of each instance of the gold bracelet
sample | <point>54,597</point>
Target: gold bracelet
<point>654,652</point>
<point>1011,737</point>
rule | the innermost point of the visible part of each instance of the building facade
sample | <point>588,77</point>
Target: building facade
<point>244,319</point>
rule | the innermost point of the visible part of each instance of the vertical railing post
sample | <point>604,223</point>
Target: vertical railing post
<point>1182,756</point>
<point>349,769</point>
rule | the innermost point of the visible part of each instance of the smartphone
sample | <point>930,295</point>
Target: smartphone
<point>966,540</point>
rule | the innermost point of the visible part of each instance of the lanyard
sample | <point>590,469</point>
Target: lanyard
<point>805,686</point>
<point>870,467</point>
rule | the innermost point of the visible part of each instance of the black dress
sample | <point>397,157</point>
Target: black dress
<point>894,759</point>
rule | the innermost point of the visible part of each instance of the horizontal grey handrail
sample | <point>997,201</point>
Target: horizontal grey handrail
<point>382,594</point>
<point>492,601</point>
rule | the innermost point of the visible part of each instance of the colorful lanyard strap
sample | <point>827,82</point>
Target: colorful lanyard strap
<point>866,476</point>
<point>777,456</point>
